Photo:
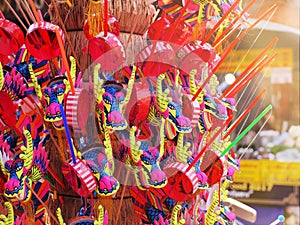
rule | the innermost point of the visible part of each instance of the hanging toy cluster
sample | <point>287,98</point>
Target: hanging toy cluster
<point>163,117</point>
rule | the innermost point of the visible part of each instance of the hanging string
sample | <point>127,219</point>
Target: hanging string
<point>15,14</point>
<point>28,10</point>
<point>243,33</point>
<point>244,113</point>
<point>248,128</point>
<point>274,8</point>
<point>22,12</point>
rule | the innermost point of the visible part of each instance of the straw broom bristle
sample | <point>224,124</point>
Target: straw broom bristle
<point>126,12</point>
<point>73,17</point>
<point>127,215</point>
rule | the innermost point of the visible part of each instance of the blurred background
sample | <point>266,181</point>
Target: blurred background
<point>270,153</point>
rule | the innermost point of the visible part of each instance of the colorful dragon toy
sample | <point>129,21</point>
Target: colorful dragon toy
<point>153,206</point>
<point>11,218</point>
<point>101,167</point>
<point>163,101</point>
<point>174,218</point>
<point>144,159</point>
<point>111,102</point>
<point>217,213</point>
<point>84,217</point>
<point>54,94</point>
<point>110,106</point>
<point>24,175</point>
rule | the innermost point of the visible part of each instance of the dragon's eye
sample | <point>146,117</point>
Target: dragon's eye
<point>16,188</point>
<point>106,101</point>
<point>121,100</point>
<point>145,160</point>
<point>171,107</point>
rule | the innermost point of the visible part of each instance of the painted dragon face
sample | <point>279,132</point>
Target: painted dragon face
<point>54,95</point>
<point>181,123</point>
<point>219,108</point>
<point>98,163</point>
<point>16,187</point>
<point>22,169</point>
<point>215,111</point>
<point>150,173</point>
<point>169,101</point>
<point>113,100</point>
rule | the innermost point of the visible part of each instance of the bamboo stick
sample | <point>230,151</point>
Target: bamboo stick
<point>235,20</point>
<point>272,9</point>
<point>216,44</point>
<point>253,73</point>
<point>27,9</point>
<point>15,14</point>
<point>22,12</point>
<point>217,25</point>
<point>63,27</point>
<point>42,203</point>
<point>35,13</point>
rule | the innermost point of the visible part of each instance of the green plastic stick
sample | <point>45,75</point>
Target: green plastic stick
<point>269,107</point>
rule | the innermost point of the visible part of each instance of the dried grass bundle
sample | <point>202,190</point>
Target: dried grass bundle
<point>28,209</point>
<point>133,47</point>
<point>79,43</point>
<point>127,215</point>
<point>73,17</point>
<point>133,16</point>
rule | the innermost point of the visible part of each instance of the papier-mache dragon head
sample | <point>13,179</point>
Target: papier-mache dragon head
<point>23,168</point>
<point>147,161</point>
<point>111,100</point>
<point>85,218</point>
<point>212,106</point>
<point>169,103</point>
<point>54,94</point>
